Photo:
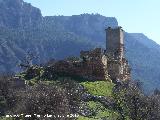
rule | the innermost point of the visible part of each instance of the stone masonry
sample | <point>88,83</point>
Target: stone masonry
<point>90,66</point>
<point>118,67</point>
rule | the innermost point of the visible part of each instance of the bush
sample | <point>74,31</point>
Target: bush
<point>4,91</point>
<point>132,103</point>
<point>61,99</point>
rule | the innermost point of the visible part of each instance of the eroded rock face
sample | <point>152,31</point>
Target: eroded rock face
<point>16,13</point>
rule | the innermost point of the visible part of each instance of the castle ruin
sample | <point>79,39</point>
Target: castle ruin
<point>98,64</point>
<point>117,65</point>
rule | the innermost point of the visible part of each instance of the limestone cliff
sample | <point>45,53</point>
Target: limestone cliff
<point>16,13</point>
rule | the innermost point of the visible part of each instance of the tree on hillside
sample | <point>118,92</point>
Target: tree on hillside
<point>132,103</point>
<point>27,62</point>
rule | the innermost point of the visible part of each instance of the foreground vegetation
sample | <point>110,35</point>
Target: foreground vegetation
<point>73,98</point>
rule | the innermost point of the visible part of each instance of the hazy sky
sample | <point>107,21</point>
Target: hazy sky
<point>135,16</point>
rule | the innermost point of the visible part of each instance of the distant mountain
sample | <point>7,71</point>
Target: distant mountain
<point>145,40</point>
<point>91,26</point>
<point>22,29</point>
<point>144,57</point>
<point>43,41</point>
<point>16,13</point>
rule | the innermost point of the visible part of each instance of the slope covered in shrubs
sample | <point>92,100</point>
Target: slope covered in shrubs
<point>66,97</point>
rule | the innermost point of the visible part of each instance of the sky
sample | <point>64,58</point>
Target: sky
<point>135,16</point>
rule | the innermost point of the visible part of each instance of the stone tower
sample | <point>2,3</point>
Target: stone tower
<point>118,67</point>
<point>115,42</point>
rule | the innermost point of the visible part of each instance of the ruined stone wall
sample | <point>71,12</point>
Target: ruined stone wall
<point>118,69</point>
<point>92,66</point>
<point>97,53</point>
<point>17,83</point>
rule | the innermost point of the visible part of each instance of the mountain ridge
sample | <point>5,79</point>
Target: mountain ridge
<point>17,13</point>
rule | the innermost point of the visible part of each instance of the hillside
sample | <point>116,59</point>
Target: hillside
<point>63,97</point>
<point>61,36</point>
<point>143,55</point>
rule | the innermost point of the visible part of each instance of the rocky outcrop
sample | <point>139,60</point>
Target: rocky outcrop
<point>16,13</point>
<point>106,101</point>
